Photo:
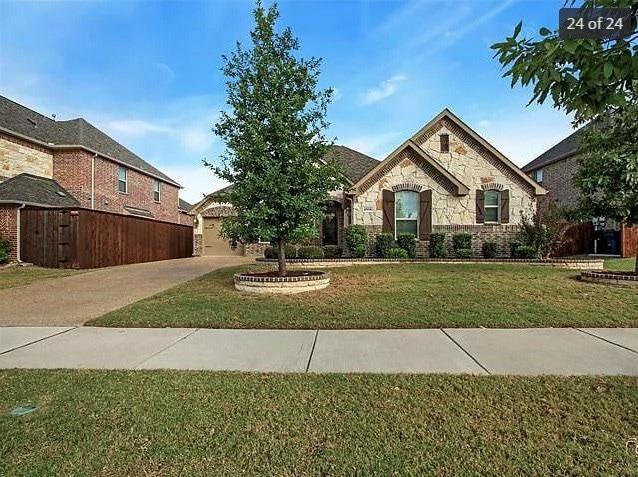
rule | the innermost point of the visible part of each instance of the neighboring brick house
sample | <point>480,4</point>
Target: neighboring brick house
<point>554,170</point>
<point>445,178</point>
<point>86,163</point>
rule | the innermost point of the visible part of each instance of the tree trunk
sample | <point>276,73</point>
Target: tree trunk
<point>282,258</point>
<point>636,264</point>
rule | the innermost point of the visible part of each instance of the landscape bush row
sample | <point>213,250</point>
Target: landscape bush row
<point>529,246</point>
<point>4,249</point>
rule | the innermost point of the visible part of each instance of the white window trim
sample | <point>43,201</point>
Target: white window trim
<point>537,173</point>
<point>498,208</point>
<point>158,191</point>
<point>418,214</point>
<point>125,181</point>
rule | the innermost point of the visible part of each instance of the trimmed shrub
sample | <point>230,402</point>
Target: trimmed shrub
<point>407,242</point>
<point>397,253</point>
<point>4,249</point>
<point>385,242</point>
<point>332,251</point>
<point>461,241</point>
<point>464,253</point>
<point>360,251</point>
<point>310,251</point>
<point>273,252</point>
<point>437,245</point>
<point>514,245</point>
<point>489,249</point>
<point>527,251</point>
<point>355,237</point>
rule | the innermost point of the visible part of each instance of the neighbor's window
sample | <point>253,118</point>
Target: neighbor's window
<point>156,190</point>
<point>492,205</point>
<point>538,175</point>
<point>445,142</point>
<point>122,184</point>
<point>406,212</point>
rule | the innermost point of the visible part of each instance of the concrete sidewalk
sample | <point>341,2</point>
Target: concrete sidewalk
<point>603,351</point>
<point>75,299</point>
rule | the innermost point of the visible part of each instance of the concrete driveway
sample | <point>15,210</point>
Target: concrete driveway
<point>73,300</point>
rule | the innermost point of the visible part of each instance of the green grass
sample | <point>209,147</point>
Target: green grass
<point>17,276</point>
<point>104,423</point>
<point>620,264</point>
<point>394,296</point>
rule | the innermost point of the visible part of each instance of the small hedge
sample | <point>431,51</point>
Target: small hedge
<point>310,251</point>
<point>356,237</point>
<point>461,241</point>
<point>526,251</point>
<point>397,253</point>
<point>273,252</point>
<point>489,249</point>
<point>464,253</point>
<point>4,249</point>
<point>384,242</point>
<point>407,242</point>
<point>360,251</point>
<point>332,251</point>
<point>514,245</point>
<point>437,245</point>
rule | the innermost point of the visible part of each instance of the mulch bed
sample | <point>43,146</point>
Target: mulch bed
<point>289,273</point>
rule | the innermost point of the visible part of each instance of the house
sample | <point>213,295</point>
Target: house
<point>78,160</point>
<point>445,179</point>
<point>554,169</point>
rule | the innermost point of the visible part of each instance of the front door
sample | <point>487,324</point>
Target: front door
<point>329,234</point>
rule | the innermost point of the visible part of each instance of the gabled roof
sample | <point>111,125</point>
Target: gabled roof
<point>564,149</point>
<point>24,122</point>
<point>446,114</point>
<point>216,196</point>
<point>424,160</point>
<point>37,191</point>
<point>355,164</point>
<point>184,206</point>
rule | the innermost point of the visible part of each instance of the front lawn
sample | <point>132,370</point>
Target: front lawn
<point>101,423</point>
<point>394,296</point>
<point>18,275</point>
<point>620,264</point>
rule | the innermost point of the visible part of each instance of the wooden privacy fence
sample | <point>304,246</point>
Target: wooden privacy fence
<point>84,238</point>
<point>578,239</point>
<point>628,240</point>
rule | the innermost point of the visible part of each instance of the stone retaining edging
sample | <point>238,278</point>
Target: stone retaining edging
<point>281,285</point>
<point>626,279</point>
<point>571,263</point>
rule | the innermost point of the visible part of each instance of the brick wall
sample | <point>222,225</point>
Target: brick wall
<point>185,219</point>
<point>72,169</point>
<point>255,249</point>
<point>8,227</point>
<point>557,179</point>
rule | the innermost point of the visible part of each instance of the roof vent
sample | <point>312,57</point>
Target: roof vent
<point>61,194</point>
<point>32,121</point>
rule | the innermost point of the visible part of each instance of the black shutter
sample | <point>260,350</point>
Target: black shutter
<point>388,211</point>
<point>505,207</point>
<point>480,207</point>
<point>425,214</point>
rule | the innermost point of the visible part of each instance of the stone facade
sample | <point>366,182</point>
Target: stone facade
<point>557,178</point>
<point>18,156</point>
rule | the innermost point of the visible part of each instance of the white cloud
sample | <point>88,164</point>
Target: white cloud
<point>385,89</point>
<point>135,127</point>
<point>197,181</point>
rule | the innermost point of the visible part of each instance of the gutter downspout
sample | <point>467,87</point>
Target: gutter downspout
<point>18,239</point>
<point>93,181</point>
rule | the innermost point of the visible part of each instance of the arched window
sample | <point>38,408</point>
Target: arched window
<point>406,212</point>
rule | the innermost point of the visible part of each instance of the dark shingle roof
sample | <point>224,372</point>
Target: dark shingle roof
<point>567,147</point>
<point>355,164</point>
<point>35,190</point>
<point>75,132</point>
<point>184,206</point>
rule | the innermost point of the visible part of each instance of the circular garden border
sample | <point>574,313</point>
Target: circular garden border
<point>623,279</point>
<point>251,283</point>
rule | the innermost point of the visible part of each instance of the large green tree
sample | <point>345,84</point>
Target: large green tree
<point>597,81</point>
<point>275,141</point>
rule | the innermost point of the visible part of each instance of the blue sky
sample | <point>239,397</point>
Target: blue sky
<point>147,72</point>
